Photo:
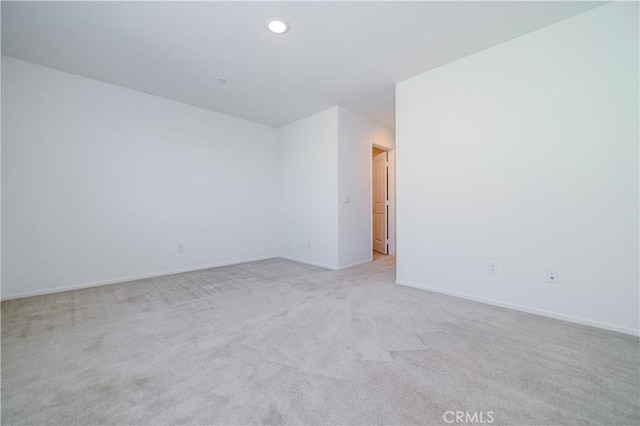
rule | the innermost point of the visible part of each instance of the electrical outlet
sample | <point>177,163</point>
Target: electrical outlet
<point>553,276</point>
<point>493,268</point>
<point>180,248</point>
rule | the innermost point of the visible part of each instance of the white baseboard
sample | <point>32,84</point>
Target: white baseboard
<point>308,262</point>
<point>321,265</point>
<point>527,309</point>
<point>362,262</point>
<point>133,278</point>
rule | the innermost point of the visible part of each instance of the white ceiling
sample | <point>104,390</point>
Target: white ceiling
<point>336,53</point>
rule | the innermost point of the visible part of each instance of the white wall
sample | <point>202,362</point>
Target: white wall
<point>0,157</point>
<point>102,183</point>
<point>526,154</point>
<point>324,158</point>
<point>309,186</point>
<point>356,135</point>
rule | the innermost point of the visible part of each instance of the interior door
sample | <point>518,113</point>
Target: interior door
<point>380,212</point>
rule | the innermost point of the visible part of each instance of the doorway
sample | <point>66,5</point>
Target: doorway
<point>380,201</point>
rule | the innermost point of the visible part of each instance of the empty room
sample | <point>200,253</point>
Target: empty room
<point>320,213</point>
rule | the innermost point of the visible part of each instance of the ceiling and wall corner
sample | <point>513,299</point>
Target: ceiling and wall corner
<point>336,53</point>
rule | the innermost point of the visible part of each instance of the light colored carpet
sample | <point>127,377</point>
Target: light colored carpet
<point>277,342</point>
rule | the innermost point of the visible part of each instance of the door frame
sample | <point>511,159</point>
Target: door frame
<point>391,193</point>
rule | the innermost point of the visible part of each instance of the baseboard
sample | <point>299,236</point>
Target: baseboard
<point>321,265</point>
<point>308,262</point>
<point>133,278</point>
<point>362,262</point>
<point>527,309</point>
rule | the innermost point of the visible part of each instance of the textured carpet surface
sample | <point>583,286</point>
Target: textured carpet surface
<point>277,342</point>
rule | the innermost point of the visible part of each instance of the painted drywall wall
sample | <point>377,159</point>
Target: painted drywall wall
<point>526,154</point>
<point>0,158</point>
<point>324,158</point>
<point>308,189</point>
<point>102,183</point>
<point>356,135</point>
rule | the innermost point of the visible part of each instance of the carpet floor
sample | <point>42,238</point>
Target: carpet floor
<point>278,342</point>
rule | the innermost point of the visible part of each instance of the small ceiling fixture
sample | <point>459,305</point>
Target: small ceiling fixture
<point>277,25</point>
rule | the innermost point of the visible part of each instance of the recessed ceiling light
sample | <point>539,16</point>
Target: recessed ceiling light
<point>277,25</point>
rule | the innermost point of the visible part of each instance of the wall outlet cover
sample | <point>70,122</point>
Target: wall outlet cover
<point>553,276</point>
